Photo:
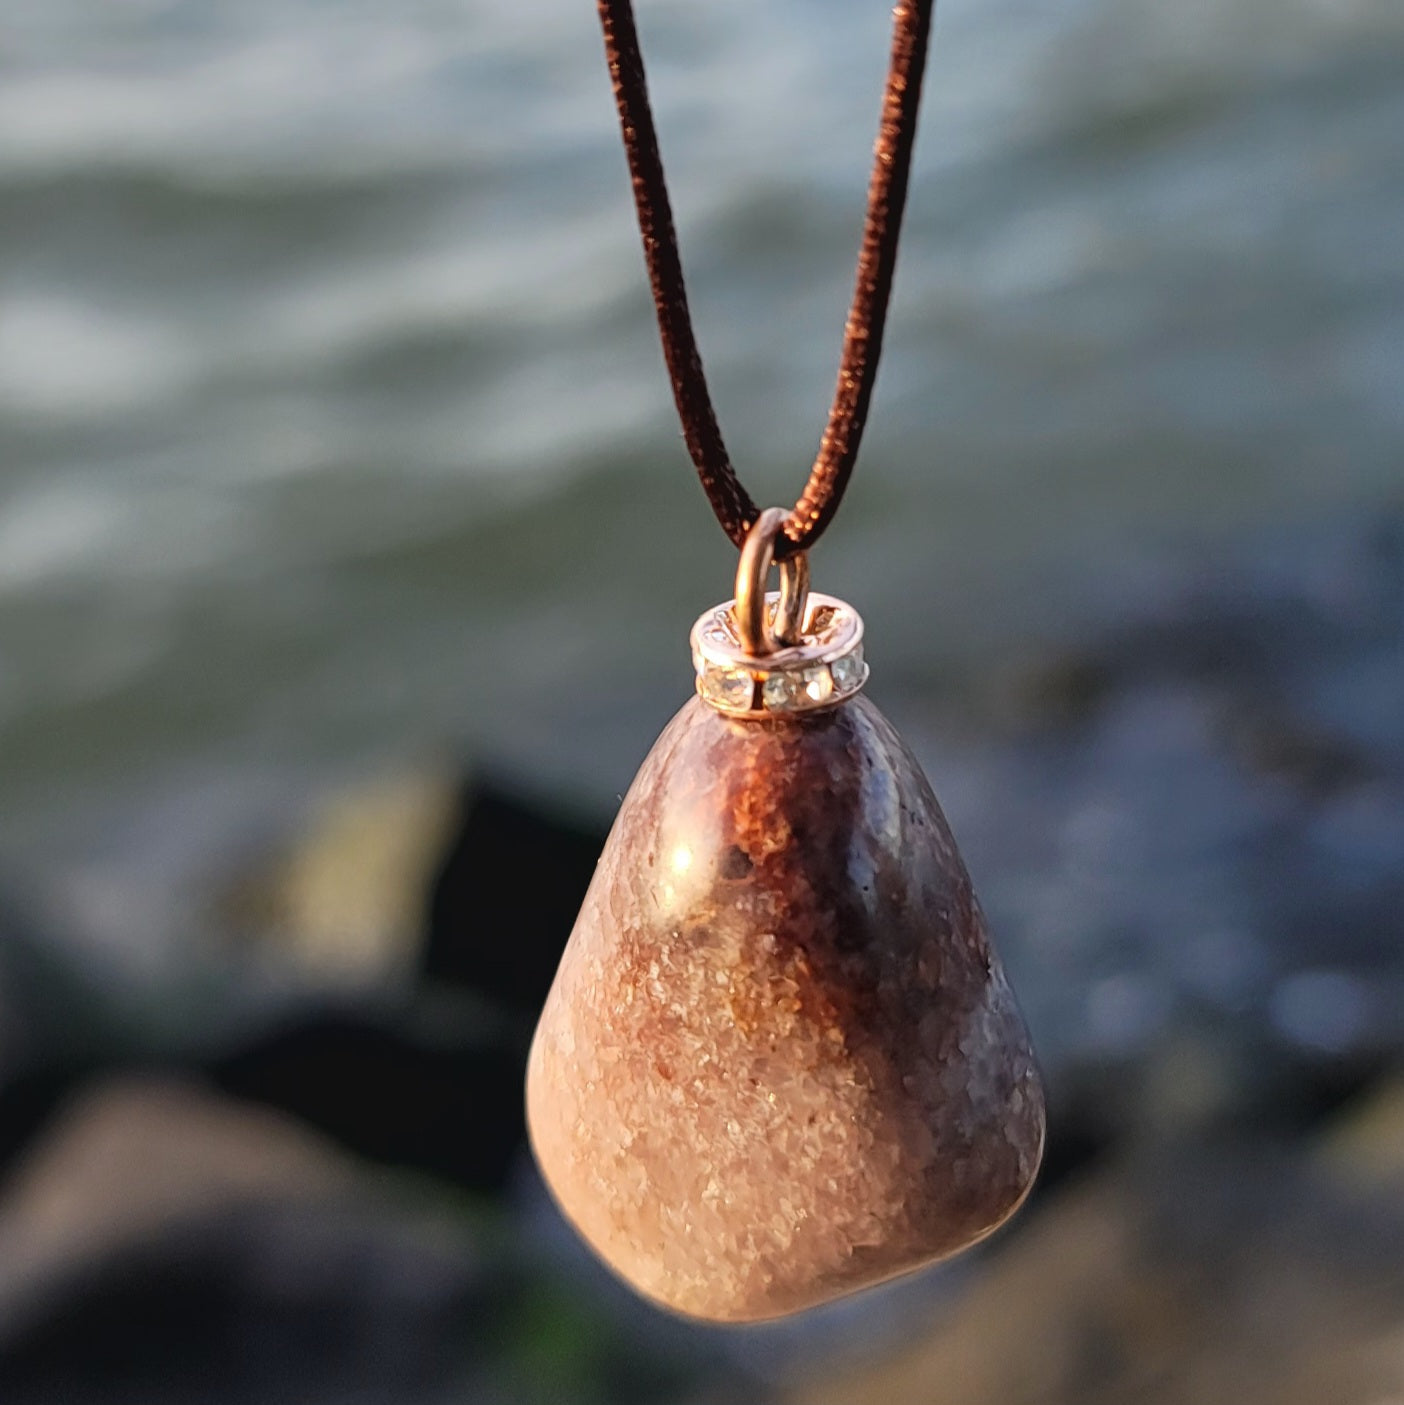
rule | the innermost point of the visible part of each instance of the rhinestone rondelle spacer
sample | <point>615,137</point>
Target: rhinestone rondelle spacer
<point>824,669</point>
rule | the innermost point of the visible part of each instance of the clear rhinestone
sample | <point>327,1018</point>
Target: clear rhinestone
<point>818,685</point>
<point>848,671</point>
<point>792,689</point>
<point>783,692</point>
<point>728,687</point>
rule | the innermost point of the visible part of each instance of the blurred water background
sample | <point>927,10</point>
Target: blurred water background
<point>333,415</point>
<point>334,438</point>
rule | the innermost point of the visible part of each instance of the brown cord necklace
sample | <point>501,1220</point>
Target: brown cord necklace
<point>780,1060</point>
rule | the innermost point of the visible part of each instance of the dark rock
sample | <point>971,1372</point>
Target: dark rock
<point>260,1303</point>
<point>444,1101</point>
<point>505,898</point>
<point>29,1100</point>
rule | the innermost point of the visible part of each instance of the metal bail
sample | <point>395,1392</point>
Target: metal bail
<point>767,655</point>
<point>753,625</point>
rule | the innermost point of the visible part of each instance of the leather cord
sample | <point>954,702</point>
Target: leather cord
<point>867,317</point>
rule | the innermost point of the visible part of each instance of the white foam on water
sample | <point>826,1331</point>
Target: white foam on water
<point>62,357</point>
<point>53,530</point>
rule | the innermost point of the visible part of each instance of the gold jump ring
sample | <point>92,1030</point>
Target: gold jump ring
<point>758,636</point>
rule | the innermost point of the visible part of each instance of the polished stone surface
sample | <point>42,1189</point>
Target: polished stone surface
<point>780,1060</point>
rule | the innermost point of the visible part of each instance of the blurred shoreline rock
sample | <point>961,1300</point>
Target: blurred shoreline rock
<point>417,877</point>
<point>1247,1271</point>
<point>451,962</point>
<point>164,1244</point>
<point>1188,832</point>
<point>342,905</point>
<point>125,1157</point>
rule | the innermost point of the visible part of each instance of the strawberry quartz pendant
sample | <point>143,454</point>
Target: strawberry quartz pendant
<point>780,1060</point>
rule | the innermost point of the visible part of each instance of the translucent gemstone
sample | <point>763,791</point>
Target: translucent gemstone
<point>780,1060</point>
<point>848,671</point>
<point>728,687</point>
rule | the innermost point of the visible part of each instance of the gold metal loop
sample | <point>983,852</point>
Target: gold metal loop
<point>793,606</point>
<point>758,636</point>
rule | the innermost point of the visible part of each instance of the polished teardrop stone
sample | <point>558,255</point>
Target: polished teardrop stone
<point>780,1060</point>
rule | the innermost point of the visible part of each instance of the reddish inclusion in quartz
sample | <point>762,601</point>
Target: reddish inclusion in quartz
<point>780,1060</point>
